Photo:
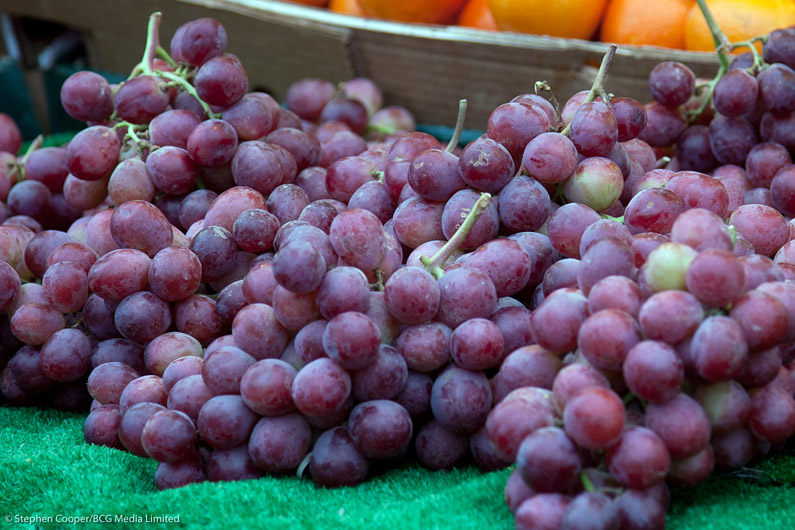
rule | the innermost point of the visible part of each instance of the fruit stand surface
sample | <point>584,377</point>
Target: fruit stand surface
<point>47,470</point>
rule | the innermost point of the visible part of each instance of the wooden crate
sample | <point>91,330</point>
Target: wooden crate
<point>422,67</point>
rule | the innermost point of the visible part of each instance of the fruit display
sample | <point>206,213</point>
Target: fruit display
<point>597,295</point>
<point>676,24</point>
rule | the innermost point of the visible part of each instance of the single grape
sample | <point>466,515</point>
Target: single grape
<point>486,165</point>
<point>251,118</point>
<point>693,149</point>
<point>735,93</point>
<point>343,289</point>
<point>726,403</point>
<point>529,365</point>
<point>557,321</point>
<point>212,143</point>
<point>231,464</point>
<point>144,389</point>
<point>336,461</point>
<point>671,83</point>
<point>663,125</point>
<point>548,460</point>
<point>543,510</point>
<point>189,470</point>
<point>461,399</point>
<point>279,444</point>
<point>523,204</point>
<point>258,332</point>
<point>142,316</point>
<point>357,238</point>
<point>168,436</point>
<point>640,459</point>
<point>179,369</point>
<point>132,425</point>
<point>221,81</point>
<point>731,139</point>
<point>593,131</point>
<point>681,423</point>
<point>437,447</point>
<point>321,388</point>
<point>225,421</point>
<point>352,340</point>
<point>380,428</point>
<point>307,97</point>
<point>776,88</point>
<point>630,117</point>
<point>653,371</point>
<point>594,418</point>
<point>514,124</point>
<point>189,395</point>
<point>141,98</point>
<point>86,96</point>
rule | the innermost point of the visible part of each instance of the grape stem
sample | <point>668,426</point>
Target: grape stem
<point>19,168</point>
<point>134,136</point>
<point>598,87</point>
<point>381,129</point>
<point>163,54</point>
<point>136,71</point>
<point>377,175</point>
<point>733,234</point>
<point>152,43</point>
<point>34,145</point>
<point>662,161</point>
<point>722,43</point>
<point>722,47</point>
<point>433,264</point>
<point>587,483</point>
<point>543,85</point>
<point>152,49</point>
<point>629,397</point>
<point>759,62</point>
<point>611,218</point>
<point>379,280</point>
<point>182,83</point>
<point>303,465</point>
<point>459,126</point>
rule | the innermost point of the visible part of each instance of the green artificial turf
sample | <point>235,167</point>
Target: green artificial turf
<point>46,469</point>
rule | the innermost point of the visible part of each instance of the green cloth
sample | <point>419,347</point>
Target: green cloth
<point>15,99</point>
<point>47,470</point>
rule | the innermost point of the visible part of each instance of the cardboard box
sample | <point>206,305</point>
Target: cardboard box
<point>422,67</point>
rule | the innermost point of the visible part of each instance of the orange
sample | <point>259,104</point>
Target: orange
<point>641,22</point>
<point>476,14</point>
<point>740,20</point>
<point>424,11</point>
<point>576,19</point>
<point>346,7</point>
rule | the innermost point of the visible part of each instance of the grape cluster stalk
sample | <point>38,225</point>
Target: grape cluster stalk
<point>601,295</point>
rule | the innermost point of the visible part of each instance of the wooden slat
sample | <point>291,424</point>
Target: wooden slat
<point>425,68</point>
<point>275,51</point>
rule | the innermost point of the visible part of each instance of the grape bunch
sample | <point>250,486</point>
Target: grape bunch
<point>237,288</point>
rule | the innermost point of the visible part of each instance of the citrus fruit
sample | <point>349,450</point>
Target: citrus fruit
<point>476,14</point>
<point>740,20</point>
<point>577,19</point>
<point>640,22</point>
<point>346,7</point>
<point>424,11</point>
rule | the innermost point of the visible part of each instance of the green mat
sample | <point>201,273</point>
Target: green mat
<point>48,472</point>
